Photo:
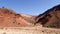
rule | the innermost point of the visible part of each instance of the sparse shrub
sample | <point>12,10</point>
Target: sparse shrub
<point>18,23</point>
<point>18,15</point>
<point>6,11</point>
<point>4,33</point>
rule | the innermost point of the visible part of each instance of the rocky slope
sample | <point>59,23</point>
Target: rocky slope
<point>9,18</point>
<point>50,18</point>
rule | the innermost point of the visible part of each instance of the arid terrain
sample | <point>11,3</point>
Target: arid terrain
<point>15,23</point>
<point>8,18</point>
<point>29,30</point>
<point>50,18</point>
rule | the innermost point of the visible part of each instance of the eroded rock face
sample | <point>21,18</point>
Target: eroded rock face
<point>50,18</point>
<point>8,18</point>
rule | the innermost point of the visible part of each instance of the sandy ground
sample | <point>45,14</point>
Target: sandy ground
<point>29,30</point>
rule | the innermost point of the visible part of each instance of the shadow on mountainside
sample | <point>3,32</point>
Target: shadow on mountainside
<point>50,18</point>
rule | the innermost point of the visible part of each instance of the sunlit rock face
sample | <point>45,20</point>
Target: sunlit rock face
<point>50,18</point>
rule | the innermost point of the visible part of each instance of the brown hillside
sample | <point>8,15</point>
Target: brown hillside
<point>8,18</point>
<point>50,18</point>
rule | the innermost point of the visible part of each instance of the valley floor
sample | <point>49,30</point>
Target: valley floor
<point>29,30</point>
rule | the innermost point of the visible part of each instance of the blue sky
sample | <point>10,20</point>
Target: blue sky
<point>32,7</point>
